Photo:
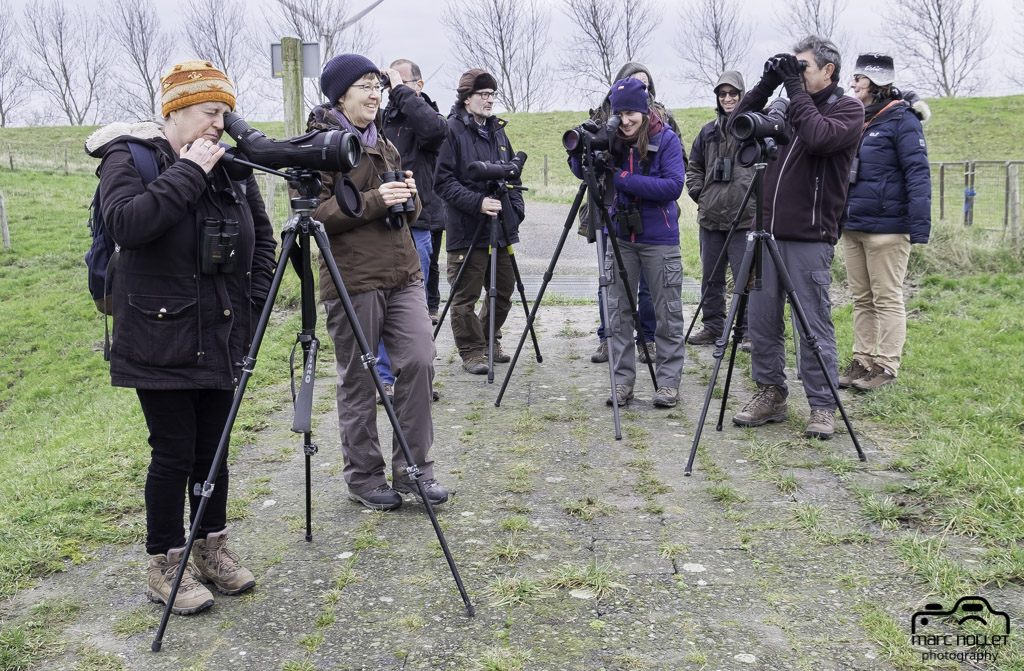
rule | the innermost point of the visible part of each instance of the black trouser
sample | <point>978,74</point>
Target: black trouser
<point>185,426</point>
<point>433,278</point>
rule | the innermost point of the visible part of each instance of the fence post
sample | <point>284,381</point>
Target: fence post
<point>65,161</point>
<point>10,155</point>
<point>545,169</point>
<point>967,189</point>
<point>942,191</point>
<point>1013,178</point>
<point>3,223</point>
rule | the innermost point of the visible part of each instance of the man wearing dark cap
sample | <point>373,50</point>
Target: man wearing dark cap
<point>476,135</point>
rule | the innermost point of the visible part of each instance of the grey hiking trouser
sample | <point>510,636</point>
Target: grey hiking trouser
<point>809,265</point>
<point>399,318</point>
<point>663,268</point>
<point>712,286</point>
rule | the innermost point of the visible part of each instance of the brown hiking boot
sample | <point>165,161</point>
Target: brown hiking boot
<point>879,376</point>
<point>854,371</point>
<point>648,354</point>
<point>705,336</point>
<point>389,390</point>
<point>624,392</point>
<point>191,597</point>
<point>600,355</point>
<point>768,405</point>
<point>217,564</point>
<point>822,424</point>
<point>666,397</point>
<point>499,355</point>
<point>745,344</point>
<point>477,365</point>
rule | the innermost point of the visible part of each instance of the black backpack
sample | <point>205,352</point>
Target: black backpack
<point>101,258</point>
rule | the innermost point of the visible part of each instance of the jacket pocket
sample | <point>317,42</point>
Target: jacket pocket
<point>163,330</point>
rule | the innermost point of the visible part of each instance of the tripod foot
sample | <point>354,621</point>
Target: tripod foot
<point>470,610</point>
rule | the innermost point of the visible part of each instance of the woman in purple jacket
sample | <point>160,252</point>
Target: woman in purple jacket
<point>644,218</point>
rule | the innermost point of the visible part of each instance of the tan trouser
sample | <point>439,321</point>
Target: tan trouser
<point>876,264</point>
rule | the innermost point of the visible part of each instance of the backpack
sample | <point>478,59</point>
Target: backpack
<point>103,253</point>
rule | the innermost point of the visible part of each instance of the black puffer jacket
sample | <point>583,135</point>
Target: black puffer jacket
<point>412,123</point>
<point>465,144</point>
<point>174,327</point>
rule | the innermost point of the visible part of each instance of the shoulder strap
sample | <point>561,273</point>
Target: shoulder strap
<point>145,162</point>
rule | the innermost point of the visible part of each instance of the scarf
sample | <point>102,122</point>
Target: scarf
<point>368,137</point>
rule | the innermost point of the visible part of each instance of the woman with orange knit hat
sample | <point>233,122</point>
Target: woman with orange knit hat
<point>184,313</point>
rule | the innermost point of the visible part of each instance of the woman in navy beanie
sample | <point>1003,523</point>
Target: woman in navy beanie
<point>644,219</point>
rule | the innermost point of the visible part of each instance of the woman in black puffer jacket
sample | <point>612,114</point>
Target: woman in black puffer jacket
<point>887,210</point>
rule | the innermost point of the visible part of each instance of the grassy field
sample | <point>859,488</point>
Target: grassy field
<point>74,460</point>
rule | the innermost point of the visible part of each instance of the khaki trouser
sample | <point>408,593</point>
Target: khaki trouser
<point>470,329</point>
<point>399,318</point>
<point>876,264</point>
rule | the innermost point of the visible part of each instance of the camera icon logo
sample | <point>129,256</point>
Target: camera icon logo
<point>966,609</point>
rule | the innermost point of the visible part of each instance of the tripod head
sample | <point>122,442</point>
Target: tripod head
<point>308,185</point>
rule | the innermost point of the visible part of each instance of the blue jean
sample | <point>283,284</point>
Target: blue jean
<point>421,236</point>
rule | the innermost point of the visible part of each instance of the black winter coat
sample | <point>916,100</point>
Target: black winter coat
<point>174,327</point>
<point>412,123</point>
<point>463,196</point>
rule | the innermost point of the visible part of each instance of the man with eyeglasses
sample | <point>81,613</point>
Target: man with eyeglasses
<point>475,134</point>
<point>413,124</point>
<point>717,184</point>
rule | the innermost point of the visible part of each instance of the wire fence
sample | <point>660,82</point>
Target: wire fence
<point>985,195</point>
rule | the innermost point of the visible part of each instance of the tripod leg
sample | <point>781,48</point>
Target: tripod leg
<point>605,281</point>
<point>548,274</point>
<point>248,365</point>
<point>492,294</point>
<point>458,280</point>
<point>812,340</point>
<point>737,337</point>
<point>519,285</point>
<point>796,342</point>
<point>746,265</point>
<point>369,359</point>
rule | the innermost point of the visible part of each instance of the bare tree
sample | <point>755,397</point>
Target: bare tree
<point>508,39</point>
<point>801,18</point>
<point>942,40</point>
<point>216,31</point>
<point>1016,72</point>
<point>332,24</point>
<point>70,58</point>
<point>713,37</point>
<point>13,92</point>
<point>606,34</point>
<point>136,28</point>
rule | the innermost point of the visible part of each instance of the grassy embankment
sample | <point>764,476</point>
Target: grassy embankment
<point>71,471</point>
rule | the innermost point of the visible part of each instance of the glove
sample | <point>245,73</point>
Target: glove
<point>771,76</point>
<point>789,68</point>
<point>621,178</point>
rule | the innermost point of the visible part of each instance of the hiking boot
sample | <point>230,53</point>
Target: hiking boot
<point>477,365</point>
<point>434,489</point>
<point>191,597</point>
<point>379,498</point>
<point>600,355</point>
<point>879,376</point>
<point>768,405</point>
<point>500,356</point>
<point>745,344</point>
<point>705,336</point>
<point>854,371</point>
<point>216,564</point>
<point>666,397</point>
<point>389,389</point>
<point>624,392</point>
<point>648,354</point>
<point>434,318</point>
<point>821,425</point>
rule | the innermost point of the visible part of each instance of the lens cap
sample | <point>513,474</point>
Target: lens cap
<point>346,193</point>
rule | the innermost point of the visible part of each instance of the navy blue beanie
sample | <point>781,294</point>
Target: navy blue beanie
<point>342,72</point>
<point>629,95</point>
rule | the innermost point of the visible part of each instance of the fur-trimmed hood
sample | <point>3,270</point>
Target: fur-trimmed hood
<point>918,106</point>
<point>99,141</point>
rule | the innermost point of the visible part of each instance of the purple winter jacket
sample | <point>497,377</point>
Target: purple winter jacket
<point>805,186</point>
<point>655,190</point>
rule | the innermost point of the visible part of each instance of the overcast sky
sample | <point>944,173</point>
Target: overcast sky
<point>413,29</point>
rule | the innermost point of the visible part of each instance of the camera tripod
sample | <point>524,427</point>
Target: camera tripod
<point>750,276</point>
<point>598,214</point>
<point>295,246</point>
<point>498,232</point>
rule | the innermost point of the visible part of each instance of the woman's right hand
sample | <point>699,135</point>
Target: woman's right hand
<point>203,153</point>
<point>394,193</point>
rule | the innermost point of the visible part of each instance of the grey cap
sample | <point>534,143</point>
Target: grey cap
<point>876,67</point>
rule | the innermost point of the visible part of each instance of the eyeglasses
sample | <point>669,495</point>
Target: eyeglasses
<point>728,94</point>
<point>368,88</point>
<point>486,95</point>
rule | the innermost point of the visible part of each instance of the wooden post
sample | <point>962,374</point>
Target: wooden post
<point>65,161</point>
<point>942,191</point>
<point>291,83</point>
<point>967,187</point>
<point>3,223</point>
<point>545,169</point>
<point>10,155</point>
<point>1014,171</point>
